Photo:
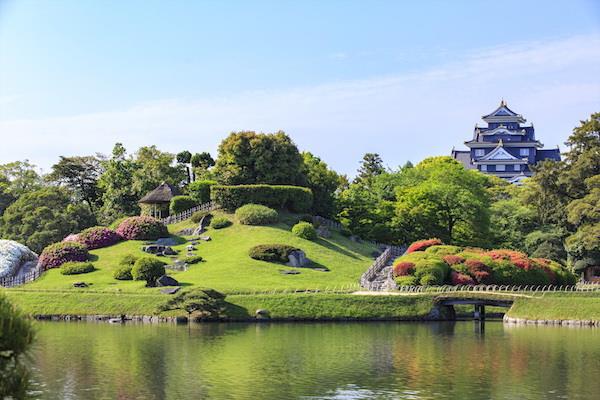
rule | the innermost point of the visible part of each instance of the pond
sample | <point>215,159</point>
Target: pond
<point>315,361</point>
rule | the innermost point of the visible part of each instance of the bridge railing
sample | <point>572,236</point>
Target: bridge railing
<point>585,287</point>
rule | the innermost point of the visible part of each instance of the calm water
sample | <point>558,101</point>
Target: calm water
<point>315,361</point>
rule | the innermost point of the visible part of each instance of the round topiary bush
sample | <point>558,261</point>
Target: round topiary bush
<point>256,214</point>
<point>97,237</point>
<point>219,223</point>
<point>180,204</point>
<point>128,260</point>
<point>75,268</point>
<point>148,269</point>
<point>142,228</point>
<point>305,230</point>
<point>59,253</point>
<point>272,252</point>
<point>123,273</point>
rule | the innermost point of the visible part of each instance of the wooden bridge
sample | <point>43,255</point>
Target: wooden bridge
<point>478,303</point>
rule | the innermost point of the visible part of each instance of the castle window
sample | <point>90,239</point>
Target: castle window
<point>479,152</point>
<point>484,168</point>
<point>500,167</point>
<point>524,152</point>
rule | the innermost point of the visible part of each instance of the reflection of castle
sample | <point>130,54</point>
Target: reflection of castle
<point>504,148</point>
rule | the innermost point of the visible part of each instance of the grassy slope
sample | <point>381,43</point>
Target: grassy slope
<point>558,306</point>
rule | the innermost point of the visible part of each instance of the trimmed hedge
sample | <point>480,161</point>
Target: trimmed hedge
<point>148,269</point>
<point>272,252</point>
<point>294,198</point>
<point>97,237</point>
<point>123,273</point>
<point>220,223</point>
<point>256,214</point>
<point>305,230</point>
<point>200,190</point>
<point>75,268</point>
<point>142,228</point>
<point>180,204</point>
<point>128,260</point>
<point>59,253</point>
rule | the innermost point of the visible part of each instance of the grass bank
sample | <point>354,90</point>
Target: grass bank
<point>558,306</point>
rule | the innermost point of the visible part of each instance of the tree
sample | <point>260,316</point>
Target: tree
<point>184,158</point>
<point>442,199</point>
<point>323,182</point>
<point>249,158</point>
<point>16,337</point>
<point>370,166</point>
<point>44,216</point>
<point>154,167</point>
<point>119,198</point>
<point>80,174</point>
<point>201,162</point>
<point>22,177</point>
<point>6,198</point>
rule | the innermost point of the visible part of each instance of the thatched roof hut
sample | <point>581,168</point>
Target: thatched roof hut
<point>156,203</point>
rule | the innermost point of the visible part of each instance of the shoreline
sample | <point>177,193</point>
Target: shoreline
<point>551,322</point>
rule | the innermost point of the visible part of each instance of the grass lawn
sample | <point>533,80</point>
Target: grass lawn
<point>563,306</point>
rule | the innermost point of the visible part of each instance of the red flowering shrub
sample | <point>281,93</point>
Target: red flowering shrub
<point>461,279</point>
<point>59,253</point>
<point>142,228</point>
<point>453,259</point>
<point>520,260</point>
<point>421,245</point>
<point>479,271</point>
<point>97,237</point>
<point>404,268</point>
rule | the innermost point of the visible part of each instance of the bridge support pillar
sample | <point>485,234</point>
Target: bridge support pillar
<point>479,313</point>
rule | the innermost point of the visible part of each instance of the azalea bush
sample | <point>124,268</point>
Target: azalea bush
<point>95,237</point>
<point>421,245</point>
<point>256,214</point>
<point>272,252</point>
<point>305,230</point>
<point>148,269</point>
<point>75,268</point>
<point>12,256</point>
<point>59,253</point>
<point>142,228</point>
<point>431,264</point>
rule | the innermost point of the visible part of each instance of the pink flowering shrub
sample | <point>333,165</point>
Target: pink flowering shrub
<point>404,268</point>
<point>142,228</point>
<point>73,237</point>
<point>421,245</point>
<point>97,237</point>
<point>461,279</point>
<point>59,253</point>
<point>452,259</point>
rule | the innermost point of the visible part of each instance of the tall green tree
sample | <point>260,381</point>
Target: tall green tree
<point>22,176</point>
<point>250,157</point>
<point>370,166</point>
<point>118,195</point>
<point>6,197</point>
<point>153,168</point>
<point>201,163</point>
<point>323,182</point>
<point>185,158</point>
<point>80,174</point>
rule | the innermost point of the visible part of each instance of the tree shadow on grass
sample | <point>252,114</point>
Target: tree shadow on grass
<point>235,311</point>
<point>335,247</point>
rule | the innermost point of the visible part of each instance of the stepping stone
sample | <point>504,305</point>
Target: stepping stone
<point>170,290</point>
<point>321,269</point>
<point>289,272</point>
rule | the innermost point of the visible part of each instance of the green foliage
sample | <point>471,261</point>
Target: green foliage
<point>293,198</point>
<point>198,215</point>
<point>200,190</point>
<point>6,198</point>
<point>128,260</point>
<point>202,160</point>
<point>16,338</point>
<point>407,280</point>
<point>370,166</point>
<point>200,303</point>
<point>256,214</point>
<point>192,259</point>
<point>220,223</point>
<point>80,174</point>
<point>305,230</point>
<point>22,178</point>
<point>583,247</point>
<point>123,273</point>
<point>154,167</point>
<point>323,182</point>
<point>74,268</point>
<point>148,269</point>
<point>250,158</point>
<point>546,244</point>
<point>181,203</point>
<point>44,216</point>
<point>272,252</point>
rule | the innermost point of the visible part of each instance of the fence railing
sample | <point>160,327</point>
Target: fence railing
<point>500,288</point>
<point>187,214</point>
<point>11,281</point>
<point>373,278</point>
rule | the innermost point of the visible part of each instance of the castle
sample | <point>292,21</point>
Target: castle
<point>505,147</point>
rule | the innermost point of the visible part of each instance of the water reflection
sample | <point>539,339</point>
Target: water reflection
<point>315,361</point>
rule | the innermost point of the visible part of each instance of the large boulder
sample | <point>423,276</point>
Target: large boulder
<point>14,257</point>
<point>166,280</point>
<point>167,241</point>
<point>297,258</point>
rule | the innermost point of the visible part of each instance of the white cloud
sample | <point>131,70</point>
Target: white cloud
<point>408,116</point>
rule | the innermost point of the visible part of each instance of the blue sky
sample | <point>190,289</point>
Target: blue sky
<point>404,79</point>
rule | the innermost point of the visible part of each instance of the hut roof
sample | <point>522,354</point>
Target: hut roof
<point>162,194</point>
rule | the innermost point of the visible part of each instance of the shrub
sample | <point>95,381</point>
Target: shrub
<point>115,224</point>
<point>148,269</point>
<point>200,190</point>
<point>73,237</point>
<point>429,280</point>
<point>123,273</point>
<point>452,259</point>
<point>198,215</point>
<point>256,214</point>
<point>294,198</point>
<point>306,218</point>
<point>305,230</point>
<point>479,271</point>
<point>444,249</point>
<point>406,280</point>
<point>271,252</point>
<point>192,259</point>
<point>97,237</point>
<point>201,303</point>
<point>74,268</point>
<point>219,223</point>
<point>421,245</point>
<point>59,253</point>
<point>458,278</point>
<point>434,266</point>
<point>404,268</point>
<point>142,228</point>
<point>180,204</point>
<point>128,260</point>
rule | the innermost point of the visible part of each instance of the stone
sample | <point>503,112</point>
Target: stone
<point>80,284</point>
<point>321,269</point>
<point>375,254</point>
<point>186,232</point>
<point>205,238</point>
<point>172,290</point>
<point>168,251</point>
<point>190,247</point>
<point>261,313</point>
<point>297,258</point>
<point>323,231</point>
<point>166,241</point>
<point>289,272</point>
<point>166,280</point>
<point>178,265</point>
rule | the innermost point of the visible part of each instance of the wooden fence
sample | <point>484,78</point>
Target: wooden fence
<point>11,281</point>
<point>187,214</point>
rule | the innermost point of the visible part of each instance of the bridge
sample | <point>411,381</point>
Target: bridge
<point>478,303</point>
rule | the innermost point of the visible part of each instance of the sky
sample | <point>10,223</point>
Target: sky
<point>403,79</point>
